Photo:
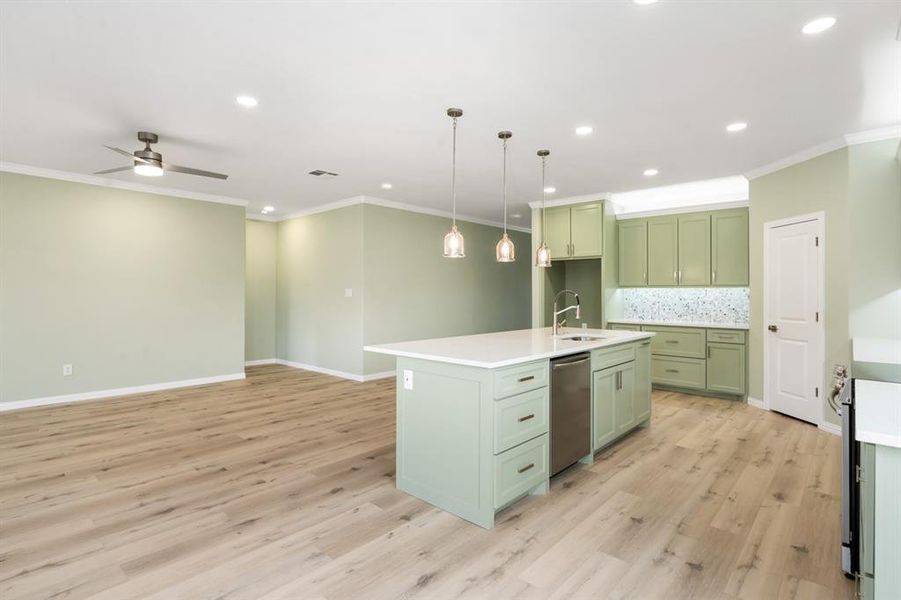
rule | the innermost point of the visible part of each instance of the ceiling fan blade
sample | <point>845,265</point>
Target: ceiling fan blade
<point>126,153</point>
<point>190,171</point>
<point>116,170</point>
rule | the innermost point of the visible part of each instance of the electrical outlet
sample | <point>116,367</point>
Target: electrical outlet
<point>67,370</point>
<point>584,325</point>
<point>408,379</point>
<point>348,292</point>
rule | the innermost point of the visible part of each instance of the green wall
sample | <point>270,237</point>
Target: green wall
<point>858,190</point>
<point>413,292</point>
<point>874,193</point>
<point>260,290</point>
<point>319,257</point>
<point>130,288</point>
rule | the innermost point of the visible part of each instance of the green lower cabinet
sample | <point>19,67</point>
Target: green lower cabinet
<point>519,470</point>
<point>624,398</point>
<point>624,327</point>
<point>726,368</point>
<point>603,391</point>
<point>880,522</point>
<point>674,371</point>
<point>642,395</point>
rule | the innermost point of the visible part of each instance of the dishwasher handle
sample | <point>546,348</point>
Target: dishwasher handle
<point>569,361</point>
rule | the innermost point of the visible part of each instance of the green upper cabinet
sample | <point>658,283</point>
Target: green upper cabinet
<point>694,249</point>
<point>729,247</point>
<point>587,225</point>
<point>557,236</point>
<point>632,235</point>
<point>575,231</point>
<point>663,251</point>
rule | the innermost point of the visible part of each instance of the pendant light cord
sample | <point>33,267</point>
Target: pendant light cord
<point>454,172</point>
<point>505,187</point>
<point>543,195</point>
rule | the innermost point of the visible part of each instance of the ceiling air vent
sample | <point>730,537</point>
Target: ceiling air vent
<point>320,173</point>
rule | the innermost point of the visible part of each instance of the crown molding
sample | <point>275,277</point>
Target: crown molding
<point>254,216</point>
<point>571,200</point>
<point>620,216</point>
<point>9,167</point>
<point>374,201</point>
<point>849,139</point>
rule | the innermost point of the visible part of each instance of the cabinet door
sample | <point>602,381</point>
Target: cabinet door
<point>603,392</point>
<point>624,405</point>
<point>729,247</point>
<point>642,399</point>
<point>587,227</point>
<point>726,368</point>
<point>557,235</point>
<point>663,250</point>
<point>694,249</point>
<point>633,252</point>
<point>867,502</point>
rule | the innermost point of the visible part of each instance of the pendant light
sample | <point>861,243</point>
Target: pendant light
<point>505,251</point>
<point>543,254</point>
<point>453,241</point>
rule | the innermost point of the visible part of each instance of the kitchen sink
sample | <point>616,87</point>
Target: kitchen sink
<point>582,338</point>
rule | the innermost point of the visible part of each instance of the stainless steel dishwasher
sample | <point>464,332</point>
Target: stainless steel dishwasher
<point>570,410</point>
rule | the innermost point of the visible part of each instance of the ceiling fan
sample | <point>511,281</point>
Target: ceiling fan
<point>150,163</point>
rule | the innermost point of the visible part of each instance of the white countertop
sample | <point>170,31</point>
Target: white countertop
<point>504,348</point>
<point>877,412</point>
<point>705,325</point>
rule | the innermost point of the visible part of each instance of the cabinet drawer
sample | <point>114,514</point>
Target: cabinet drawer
<point>520,418</point>
<point>520,378</point>
<point>726,336</point>
<point>625,327</point>
<point>609,357</point>
<point>679,372</point>
<point>678,341</point>
<point>519,469</point>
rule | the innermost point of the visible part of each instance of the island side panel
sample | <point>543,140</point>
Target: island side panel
<point>444,437</point>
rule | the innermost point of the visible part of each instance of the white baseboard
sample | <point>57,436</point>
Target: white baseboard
<point>334,372</point>
<point>831,428</point>
<point>262,361</point>
<point>756,403</point>
<point>124,391</point>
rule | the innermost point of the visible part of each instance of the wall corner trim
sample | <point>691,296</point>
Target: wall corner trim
<point>9,167</point>
<point>118,392</point>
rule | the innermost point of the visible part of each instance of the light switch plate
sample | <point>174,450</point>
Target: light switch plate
<point>348,292</point>
<point>408,379</point>
<point>67,370</point>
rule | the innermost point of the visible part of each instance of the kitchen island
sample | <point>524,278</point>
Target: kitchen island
<point>473,412</point>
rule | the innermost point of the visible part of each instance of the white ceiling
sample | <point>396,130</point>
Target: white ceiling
<point>361,89</point>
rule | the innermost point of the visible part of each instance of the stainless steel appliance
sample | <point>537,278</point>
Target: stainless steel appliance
<point>570,410</point>
<point>842,401</point>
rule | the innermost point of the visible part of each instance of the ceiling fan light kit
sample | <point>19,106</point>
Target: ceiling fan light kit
<point>149,163</point>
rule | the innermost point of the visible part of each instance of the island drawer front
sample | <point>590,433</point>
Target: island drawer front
<point>625,327</point>
<point>519,469</point>
<point>678,341</point>
<point>726,336</point>
<point>679,372</point>
<point>520,418</point>
<point>610,357</point>
<point>520,378</point>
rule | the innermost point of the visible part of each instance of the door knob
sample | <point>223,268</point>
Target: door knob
<point>773,328</point>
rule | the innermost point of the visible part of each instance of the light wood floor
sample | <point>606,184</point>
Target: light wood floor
<point>282,486</point>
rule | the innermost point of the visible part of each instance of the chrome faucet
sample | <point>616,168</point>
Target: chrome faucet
<point>557,313</point>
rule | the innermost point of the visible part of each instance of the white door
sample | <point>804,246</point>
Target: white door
<point>792,287</point>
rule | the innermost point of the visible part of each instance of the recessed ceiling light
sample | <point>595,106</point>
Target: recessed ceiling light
<point>550,189</point>
<point>737,126</point>
<point>387,186</point>
<point>650,172</point>
<point>644,1</point>
<point>818,25</point>
<point>584,129</point>
<point>269,208</point>
<point>247,101</point>
<point>516,215</point>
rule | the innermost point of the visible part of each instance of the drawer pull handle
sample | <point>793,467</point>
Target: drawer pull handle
<point>527,417</point>
<point>672,341</point>
<point>528,378</point>
<point>526,468</point>
<point>672,370</point>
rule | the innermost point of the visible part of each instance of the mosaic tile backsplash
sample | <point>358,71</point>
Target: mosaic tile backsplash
<point>709,305</point>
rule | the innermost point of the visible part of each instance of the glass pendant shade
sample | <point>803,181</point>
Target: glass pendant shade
<point>543,256</point>
<point>505,251</point>
<point>453,244</point>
